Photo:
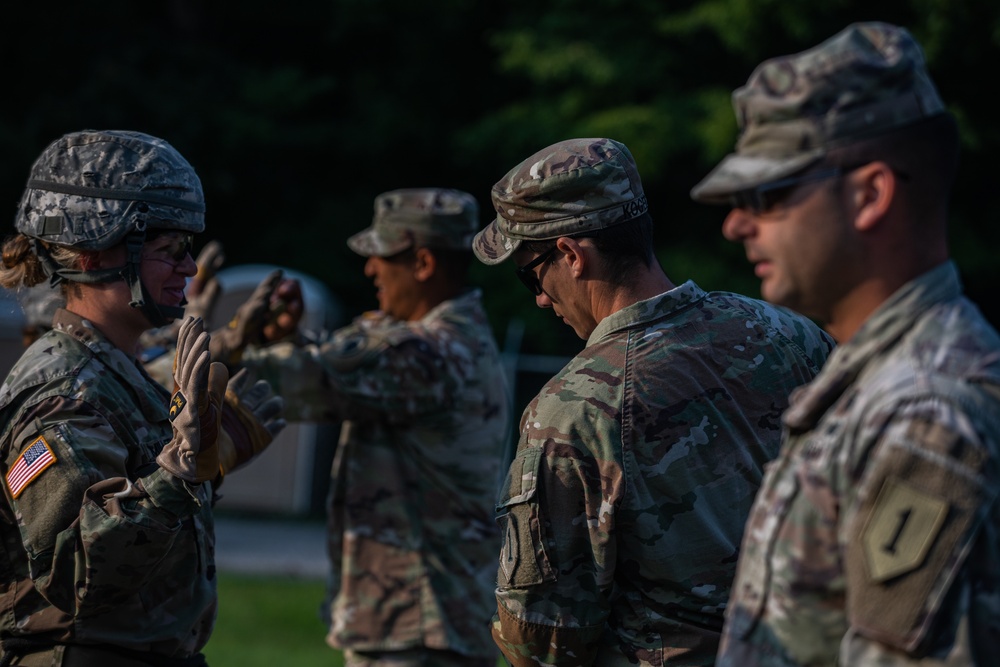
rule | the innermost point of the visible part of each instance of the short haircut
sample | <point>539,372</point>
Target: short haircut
<point>624,247</point>
<point>454,263</point>
<point>924,155</point>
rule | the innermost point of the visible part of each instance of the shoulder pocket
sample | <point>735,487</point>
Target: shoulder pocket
<point>523,558</point>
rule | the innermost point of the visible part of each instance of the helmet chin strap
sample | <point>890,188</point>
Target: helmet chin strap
<point>158,314</point>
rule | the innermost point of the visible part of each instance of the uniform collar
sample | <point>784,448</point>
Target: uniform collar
<point>879,333</point>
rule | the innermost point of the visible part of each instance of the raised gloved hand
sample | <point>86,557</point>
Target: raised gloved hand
<point>251,418</point>
<point>287,308</point>
<point>195,408</point>
<point>203,291</point>
<point>247,324</point>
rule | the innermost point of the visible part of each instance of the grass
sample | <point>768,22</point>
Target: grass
<point>269,621</point>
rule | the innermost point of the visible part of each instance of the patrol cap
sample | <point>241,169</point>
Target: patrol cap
<point>436,217</point>
<point>570,188</point>
<point>88,189</point>
<point>866,80</point>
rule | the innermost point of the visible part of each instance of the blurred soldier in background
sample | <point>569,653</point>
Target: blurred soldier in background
<point>39,304</point>
<point>637,463</point>
<point>875,539</point>
<point>420,384</point>
<point>108,479</point>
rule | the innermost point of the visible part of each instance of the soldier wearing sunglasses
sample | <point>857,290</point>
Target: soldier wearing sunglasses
<point>108,478</point>
<point>875,537</point>
<point>637,463</point>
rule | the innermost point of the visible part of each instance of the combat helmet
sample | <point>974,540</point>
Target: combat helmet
<point>91,190</point>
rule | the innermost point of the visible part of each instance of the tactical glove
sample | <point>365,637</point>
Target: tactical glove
<point>287,308</point>
<point>195,408</point>
<point>203,290</point>
<point>247,324</point>
<point>251,418</point>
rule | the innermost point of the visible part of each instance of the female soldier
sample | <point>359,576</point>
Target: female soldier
<point>107,525</point>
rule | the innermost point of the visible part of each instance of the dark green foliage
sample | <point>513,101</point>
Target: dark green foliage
<point>296,115</point>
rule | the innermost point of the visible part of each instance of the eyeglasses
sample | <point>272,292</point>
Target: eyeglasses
<point>173,248</point>
<point>766,196</point>
<point>527,274</point>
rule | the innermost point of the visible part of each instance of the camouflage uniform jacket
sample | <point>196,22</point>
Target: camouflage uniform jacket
<point>101,546</point>
<point>876,535</point>
<point>636,468</point>
<point>413,543</point>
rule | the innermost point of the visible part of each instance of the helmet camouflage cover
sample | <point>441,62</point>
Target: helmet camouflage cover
<point>88,189</point>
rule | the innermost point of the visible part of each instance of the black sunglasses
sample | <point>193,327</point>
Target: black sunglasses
<point>177,245</point>
<point>766,196</point>
<point>527,273</point>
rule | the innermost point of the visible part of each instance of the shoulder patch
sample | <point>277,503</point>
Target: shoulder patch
<point>360,347</point>
<point>900,530</point>
<point>29,465</point>
<point>918,512</point>
<point>354,351</point>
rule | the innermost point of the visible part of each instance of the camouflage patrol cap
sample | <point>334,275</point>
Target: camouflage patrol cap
<point>88,189</point>
<point>866,80</point>
<point>436,217</point>
<point>570,188</point>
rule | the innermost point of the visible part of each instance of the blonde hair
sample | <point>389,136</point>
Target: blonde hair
<point>21,268</point>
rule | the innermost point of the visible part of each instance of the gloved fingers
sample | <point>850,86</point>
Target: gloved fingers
<point>191,341</point>
<point>210,292</point>
<point>238,382</point>
<point>211,258</point>
<point>248,322</point>
<point>189,329</point>
<point>192,366</point>
<point>256,307</point>
<point>286,310</point>
<point>202,302</point>
<point>269,283</point>
<point>257,394</point>
<point>275,426</point>
<point>270,409</point>
<point>218,378</point>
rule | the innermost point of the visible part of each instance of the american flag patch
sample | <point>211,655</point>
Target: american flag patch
<point>29,465</point>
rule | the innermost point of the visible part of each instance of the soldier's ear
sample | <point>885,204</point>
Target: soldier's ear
<point>574,254</point>
<point>872,189</point>
<point>424,264</point>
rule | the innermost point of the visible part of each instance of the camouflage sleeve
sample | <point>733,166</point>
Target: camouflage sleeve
<point>92,537</point>
<point>912,520</point>
<point>812,342</point>
<point>556,513</point>
<point>391,373</point>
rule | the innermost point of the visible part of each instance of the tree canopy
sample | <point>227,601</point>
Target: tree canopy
<point>296,116</point>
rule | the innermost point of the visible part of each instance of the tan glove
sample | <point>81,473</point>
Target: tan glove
<point>251,418</point>
<point>247,324</point>
<point>203,291</point>
<point>195,408</point>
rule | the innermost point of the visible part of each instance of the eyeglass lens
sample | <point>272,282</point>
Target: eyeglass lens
<point>527,272</point>
<point>175,245</point>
